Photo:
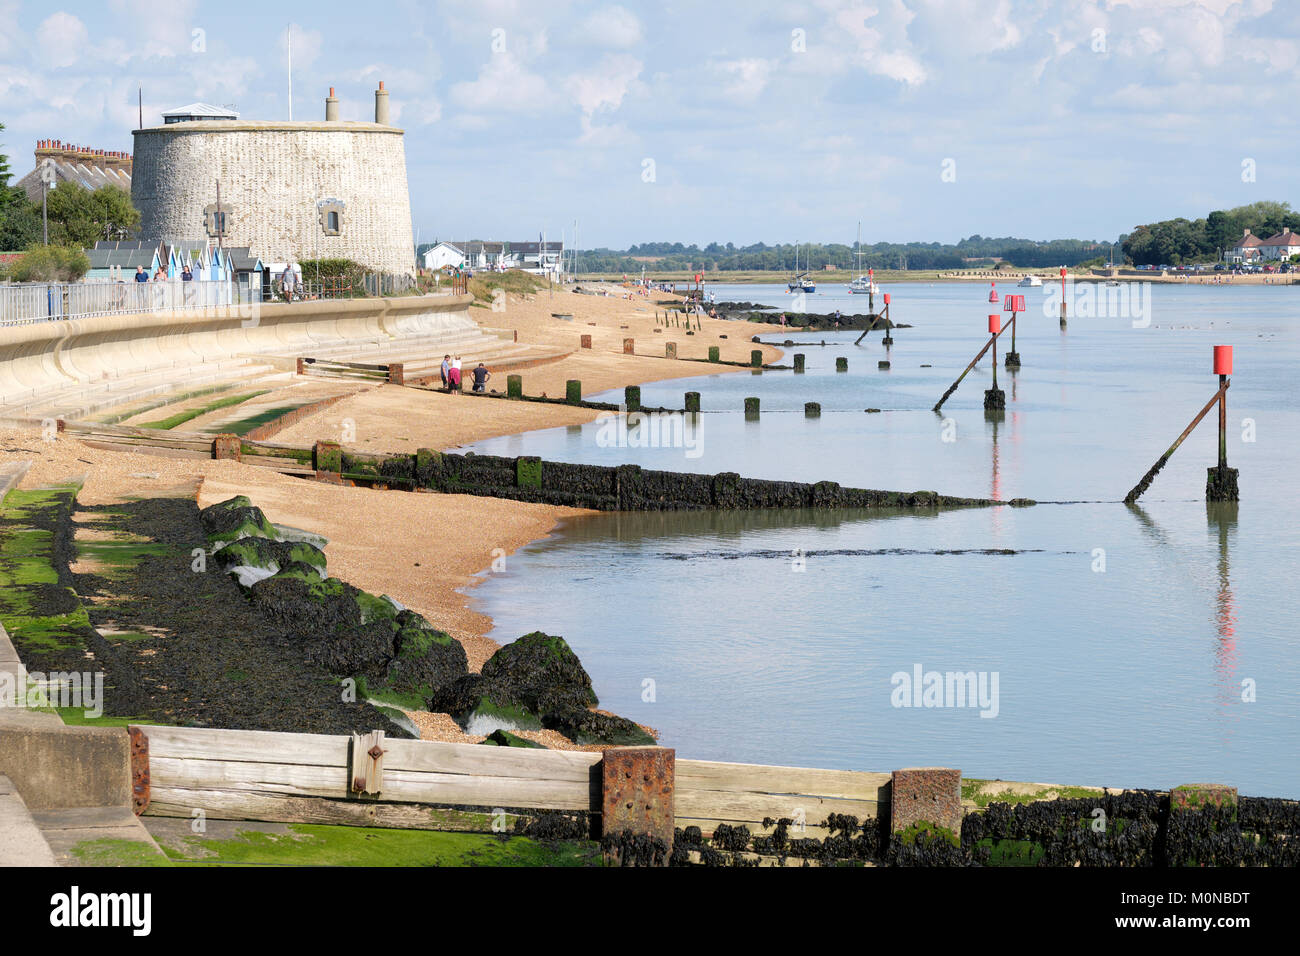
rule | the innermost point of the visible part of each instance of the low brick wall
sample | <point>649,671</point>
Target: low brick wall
<point>277,425</point>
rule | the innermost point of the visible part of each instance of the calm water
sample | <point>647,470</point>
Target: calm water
<point>1120,637</point>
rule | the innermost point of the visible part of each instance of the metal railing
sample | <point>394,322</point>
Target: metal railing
<point>32,302</point>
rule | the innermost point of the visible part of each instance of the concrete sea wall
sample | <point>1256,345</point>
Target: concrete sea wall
<point>43,359</point>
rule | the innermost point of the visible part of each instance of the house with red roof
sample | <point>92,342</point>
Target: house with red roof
<point>1247,248</point>
<point>1280,247</point>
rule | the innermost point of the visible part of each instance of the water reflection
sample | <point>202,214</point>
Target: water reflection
<point>1222,518</point>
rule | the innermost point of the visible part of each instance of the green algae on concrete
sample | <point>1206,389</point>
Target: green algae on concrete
<point>118,853</point>
<point>926,832</point>
<point>983,792</point>
<point>321,845</point>
<point>180,418</point>
<point>40,614</point>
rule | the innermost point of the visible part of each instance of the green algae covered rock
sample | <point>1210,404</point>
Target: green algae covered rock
<point>589,727</point>
<point>503,738</point>
<point>541,673</point>
<point>424,658</point>
<point>234,519</point>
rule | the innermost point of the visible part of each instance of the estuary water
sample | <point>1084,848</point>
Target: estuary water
<point>1108,645</point>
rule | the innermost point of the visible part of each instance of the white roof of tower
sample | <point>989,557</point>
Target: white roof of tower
<point>203,110</point>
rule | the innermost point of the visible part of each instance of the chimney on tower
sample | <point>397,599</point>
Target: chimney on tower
<point>331,107</point>
<point>381,105</point>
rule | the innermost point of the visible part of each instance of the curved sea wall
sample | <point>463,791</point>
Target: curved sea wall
<point>40,361</point>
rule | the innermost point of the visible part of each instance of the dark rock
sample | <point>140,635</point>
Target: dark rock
<point>540,673</point>
<point>589,727</point>
<point>424,658</point>
<point>339,627</point>
<point>503,738</point>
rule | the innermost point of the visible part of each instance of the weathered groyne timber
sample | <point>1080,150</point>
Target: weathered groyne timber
<point>858,321</point>
<point>614,488</point>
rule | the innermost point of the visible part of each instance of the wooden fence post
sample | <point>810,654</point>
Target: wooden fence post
<point>637,786</point>
<point>327,456</point>
<point>227,446</point>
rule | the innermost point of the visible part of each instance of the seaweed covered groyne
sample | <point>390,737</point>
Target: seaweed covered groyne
<point>615,488</point>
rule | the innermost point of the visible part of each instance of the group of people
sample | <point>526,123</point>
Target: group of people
<point>451,375</point>
<point>160,275</point>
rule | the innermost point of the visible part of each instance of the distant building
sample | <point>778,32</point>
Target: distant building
<point>64,163</point>
<point>442,256</point>
<point>1251,248</point>
<point>1282,246</point>
<point>497,256</point>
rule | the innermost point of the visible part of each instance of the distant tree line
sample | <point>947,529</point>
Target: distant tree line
<point>1182,241</point>
<point>926,256</point>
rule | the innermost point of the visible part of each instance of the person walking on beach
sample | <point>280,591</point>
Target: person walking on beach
<point>446,367</point>
<point>453,375</point>
<point>481,376</point>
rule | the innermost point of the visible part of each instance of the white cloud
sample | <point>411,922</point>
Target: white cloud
<point>884,51</point>
<point>503,84</point>
<point>745,79</point>
<point>612,27</point>
<point>604,86</point>
<point>158,28</point>
<point>62,39</point>
<point>306,46</point>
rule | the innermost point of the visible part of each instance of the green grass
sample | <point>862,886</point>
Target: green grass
<point>180,418</point>
<point>76,717</point>
<point>116,418</point>
<point>318,845</point>
<point>118,853</point>
<point>514,282</point>
<point>246,425</point>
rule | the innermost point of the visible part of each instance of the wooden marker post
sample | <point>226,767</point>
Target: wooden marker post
<point>1062,297</point>
<point>1014,304</point>
<point>995,400</point>
<point>1221,481</point>
<point>888,340</point>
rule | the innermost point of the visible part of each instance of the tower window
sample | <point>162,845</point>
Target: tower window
<point>217,223</point>
<point>331,216</point>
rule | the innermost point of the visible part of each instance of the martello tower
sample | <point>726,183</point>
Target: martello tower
<point>290,191</point>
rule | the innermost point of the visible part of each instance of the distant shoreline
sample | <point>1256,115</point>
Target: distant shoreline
<point>842,277</point>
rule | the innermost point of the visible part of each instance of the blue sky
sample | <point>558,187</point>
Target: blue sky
<point>762,121</point>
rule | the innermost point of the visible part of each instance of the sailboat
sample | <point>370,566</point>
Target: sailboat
<point>863,284</point>
<point>801,281</point>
